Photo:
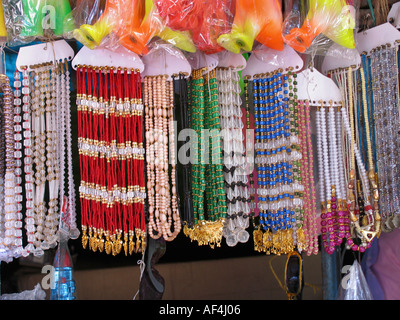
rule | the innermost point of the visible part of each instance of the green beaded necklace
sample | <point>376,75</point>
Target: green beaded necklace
<point>209,198</point>
<point>294,114</point>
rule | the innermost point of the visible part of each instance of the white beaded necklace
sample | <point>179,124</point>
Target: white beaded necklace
<point>74,231</point>
<point>18,162</point>
<point>40,159</point>
<point>41,132</point>
<point>7,240</point>
<point>234,161</point>
<point>51,220</point>
<point>28,160</point>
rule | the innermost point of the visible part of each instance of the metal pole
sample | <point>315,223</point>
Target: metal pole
<point>330,274</point>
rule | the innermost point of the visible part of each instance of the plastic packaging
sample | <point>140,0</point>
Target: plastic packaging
<point>136,38</point>
<point>293,14</point>
<point>83,12</point>
<point>334,19</point>
<point>179,15</point>
<point>43,18</point>
<point>13,18</point>
<point>216,19</point>
<point>206,20</point>
<point>255,20</point>
<point>284,59</point>
<point>30,20</point>
<point>164,58</point>
<point>115,13</point>
<point>3,30</point>
<point>131,23</point>
<point>36,294</point>
<point>354,285</point>
<point>63,279</point>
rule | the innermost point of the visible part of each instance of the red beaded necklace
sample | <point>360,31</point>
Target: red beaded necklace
<point>111,155</point>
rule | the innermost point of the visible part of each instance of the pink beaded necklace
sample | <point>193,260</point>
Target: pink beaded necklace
<point>307,174</point>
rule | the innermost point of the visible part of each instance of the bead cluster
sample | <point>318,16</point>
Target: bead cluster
<point>18,158</point>
<point>111,152</point>
<point>307,178</point>
<point>385,93</point>
<point>164,217</point>
<point>333,216</point>
<point>33,153</point>
<point>278,156</point>
<point>209,197</point>
<point>184,165</point>
<point>66,190</point>
<point>235,176</point>
<point>9,238</point>
<point>357,221</point>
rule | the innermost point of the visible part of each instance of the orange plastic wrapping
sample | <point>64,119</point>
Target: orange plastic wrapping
<point>116,14</point>
<point>333,18</point>
<point>133,23</point>
<point>255,20</point>
<point>136,37</point>
<point>206,20</point>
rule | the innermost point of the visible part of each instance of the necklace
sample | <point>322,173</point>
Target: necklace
<point>7,242</point>
<point>363,231</point>
<point>28,93</point>
<point>185,199</point>
<point>384,76</point>
<point>257,233</point>
<point>374,199</point>
<point>51,221</point>
<point>164,218</point>
<point>4,252</point>
<point>209,197</point>
<point>67,197</point>
<point>232,140</point>
<point>18,162</point>
<point>112,190</point>
<point>309,196</point>
<point>298,166</point>
<point>327,221</point>
<point>277,156</point>
<point>40,157</point>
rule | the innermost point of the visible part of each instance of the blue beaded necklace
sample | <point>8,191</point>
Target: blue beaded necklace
<point>272,120</point>
<point>366,61</point>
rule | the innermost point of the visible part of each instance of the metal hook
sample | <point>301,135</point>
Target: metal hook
<point>365,22</point>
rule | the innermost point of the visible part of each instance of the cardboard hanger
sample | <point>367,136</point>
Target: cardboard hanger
<point>228,59</point>
<point>165,60</point>
<point>317,88</point>
<point>339,57</point>
<point>36,54</point>
<point>200,60</point>
<point>264,60</point>
<point>102,57</point>
<point>394,15</point>
<point>375,37</point>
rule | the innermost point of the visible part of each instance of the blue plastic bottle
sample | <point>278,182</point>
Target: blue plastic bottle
<point>64,282</point>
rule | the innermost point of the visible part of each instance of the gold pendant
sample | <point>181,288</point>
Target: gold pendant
<point>368,235</point>
<point>258,239</point>
<point>84,241</point>
<point>94,240</point>
<point>108,246</point>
